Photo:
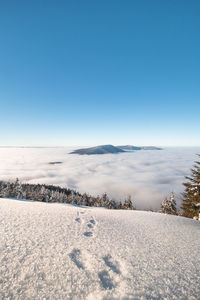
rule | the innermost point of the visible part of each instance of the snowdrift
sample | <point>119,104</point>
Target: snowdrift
<point>60,251</point>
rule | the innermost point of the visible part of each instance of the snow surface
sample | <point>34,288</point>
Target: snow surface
<point>60,251</point>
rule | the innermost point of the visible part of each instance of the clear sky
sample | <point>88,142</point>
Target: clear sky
<point>100,71</point>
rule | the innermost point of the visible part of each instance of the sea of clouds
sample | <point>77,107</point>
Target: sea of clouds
<point>148,176</point>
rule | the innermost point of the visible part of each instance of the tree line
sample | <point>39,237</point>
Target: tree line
<point>51,193</point>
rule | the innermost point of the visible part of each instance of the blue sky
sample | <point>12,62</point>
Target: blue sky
<point>98,72</point>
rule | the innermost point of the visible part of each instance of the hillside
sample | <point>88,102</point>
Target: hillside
<point>104,149</point>
<point>60,251</point>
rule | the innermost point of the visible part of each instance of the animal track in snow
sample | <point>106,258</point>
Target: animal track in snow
<point>75,257</point>
<point>92,221</point>
<point>78,220</point>
<point>88,233</point>
<point>106,282</point>
<point>113,266</point>
<point>91,225</point>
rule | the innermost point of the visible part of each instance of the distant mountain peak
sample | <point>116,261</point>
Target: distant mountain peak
<point>103,149</point>
<point>106,149</point>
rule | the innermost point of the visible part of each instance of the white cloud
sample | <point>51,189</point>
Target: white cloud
<point>148,176</point>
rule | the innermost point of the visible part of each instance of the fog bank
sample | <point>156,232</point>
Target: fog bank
<point>148,176</point>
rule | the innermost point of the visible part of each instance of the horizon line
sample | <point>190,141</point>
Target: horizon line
<point>80,145</point>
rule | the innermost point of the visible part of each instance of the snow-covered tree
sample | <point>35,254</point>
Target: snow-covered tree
<point>168,206</point>
<point>128,203</point>
<point>119,205</point>
<point>18,189</point>
<point>172,205</point>
<point>97,201</point>
<point>5,190</point>
<point>104,200</point>
<point>72,198</point>
<point>84,200</point>
<point>191,195</point>
<point>164,206</point>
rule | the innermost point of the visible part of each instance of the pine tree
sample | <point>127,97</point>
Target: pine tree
<point>165,206</point>
<point>73,198</point>
<point>42,194</point>
<point>128,203</point>
<point>97,202</point>
<point>18,189</point>
<point>168,206</point>
<point>84,200</point>
<point>5,190</point>
<point>191,195</point>
<point>104,200</point>
<point>119,205</point>
<point>172,205</point>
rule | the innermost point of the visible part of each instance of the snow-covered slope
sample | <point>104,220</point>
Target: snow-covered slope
<point>57,251</point>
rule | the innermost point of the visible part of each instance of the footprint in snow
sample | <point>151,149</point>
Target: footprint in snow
<point>106,282</point>
<point>78,220</point>
<point>75,257</point>
<point>91,223</point>
<point>109,263</point>
<point>88,233</point>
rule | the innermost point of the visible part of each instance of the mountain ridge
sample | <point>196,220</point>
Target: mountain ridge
<point>106,149</point>
<point>103,149</point>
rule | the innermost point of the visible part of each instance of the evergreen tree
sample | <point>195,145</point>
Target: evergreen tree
<point>41,196</point>
<point>119,205</point>
<point>18,189</point>
<point>85,200</point>
<point>104,200</point>
<point>168,206</point>
<point>128,203</point>
<point>113,204</point>
<point>97,202</point>
<point>72,197</point>
<point>5,190</point>
<point>191,195</point>
<point>165,206</point>
<point>172,205</point>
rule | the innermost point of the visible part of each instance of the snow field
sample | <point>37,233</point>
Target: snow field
<point>60,251</point>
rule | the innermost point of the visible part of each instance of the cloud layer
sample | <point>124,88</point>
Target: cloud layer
<point>148,176</point>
